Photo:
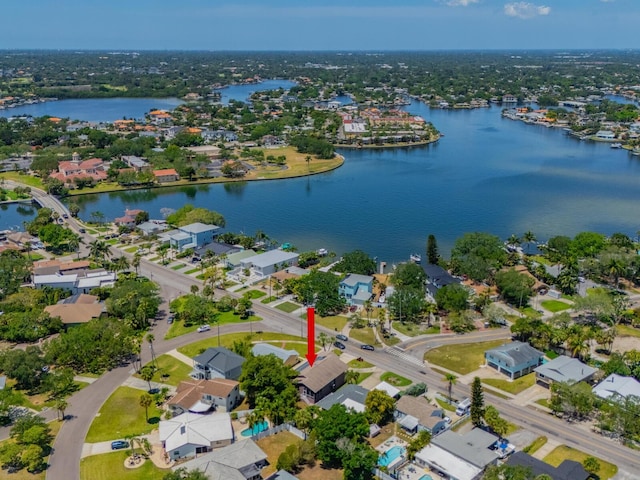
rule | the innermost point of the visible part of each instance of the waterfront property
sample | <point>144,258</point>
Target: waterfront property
<point>264,264</point>
<point>190,434</point>
<point>218,362</point>
<point>563,369</point>
<point>356,289</point>
<point>326,376</point>
<point>194,235</point>
<point>514,359</point>
<point>166,175</point>
<point>437,277</point>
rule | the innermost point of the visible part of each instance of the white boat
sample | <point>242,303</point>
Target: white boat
<point>415,258</point>
<point>322,252</point>
<point>616,145</point>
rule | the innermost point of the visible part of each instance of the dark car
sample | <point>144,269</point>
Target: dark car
<point>367,347</point>
<point>344,338</point>
<point>339,345</point>
<point>64,215</point>
<point>82,230</point>
<point>119,444</point>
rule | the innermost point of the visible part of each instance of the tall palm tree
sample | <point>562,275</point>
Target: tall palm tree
<point>529,237</point>
<point>120,264</point>
<point>451,379</point>
<point>514,240</point>
<point>99,251</point>
<point>61,405</point>
<point>145,401</point>
<point>135,263</point>
<point>150,339</point>
<point>616,268</point>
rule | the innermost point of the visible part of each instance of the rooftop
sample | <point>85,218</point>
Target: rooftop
<point>565,369</point>
<point>271,257</point>
<point>219,358</point>
<point>515,353</point>
<point>472,447</point>
<point>618,386</point>
<point>198,228</point>
<point>354,279</point>
<point>191,428</point>
<point>346,395</point>
<point>322,372</point>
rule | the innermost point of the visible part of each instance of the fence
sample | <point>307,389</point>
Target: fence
<point>280,428</point>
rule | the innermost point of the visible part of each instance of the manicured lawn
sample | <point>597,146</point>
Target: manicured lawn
<point>273,446</point>
<point>463,357</point>
<point>561,453</point>
<point>179,266</point>
<point>131,249</point>
<point>196,348</point>
<point>543,402</point>
<point>412,330</point>
<point>364,335</point>
<point>627,331</point>
<point>335,323</point>
<point>395,379</point>
<point>300,346</point>
<point>555,305</point>
<point>255,294</point>
<point>122,415</point>
<point>268,300</point>
<point>531,312</point>
<point>540,259</point>
<point>534,446</point>
<point>355,363</point>
<point>515,387</point>
<point>111,465</point>
<point>170,370</point>
<point>550,354</point>
<point>288,307</point>
<point>26,179</point>
<point>177,328</point>
<point>193,270</point>
<point>446,405</point>
<point>362,376</point>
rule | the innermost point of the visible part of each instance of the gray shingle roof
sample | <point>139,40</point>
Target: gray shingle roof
<point>516,353</point>
<point>220,359</point>
<point>568,469</point>
<point>565,369</point>
<point>348,392</point>
<point>472,447</point>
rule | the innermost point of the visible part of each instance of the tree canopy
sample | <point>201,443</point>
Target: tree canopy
<point>477,255</point>
<point>190,214</point>
<point>355,262</point>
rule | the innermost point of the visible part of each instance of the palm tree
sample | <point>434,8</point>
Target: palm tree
<point>135,263</point>
<point>616,268</point>
<point>323,338</point>
<point>120,264</point>
<point>451,379</point>
<point>529,237</point>
<point>99,250</point>
<point>351,376</point>
<point>61,405</point>
<point>308,159</point>
<point>146,401</point>
<point>514,240</point>
<point>147,372</point>
<point>150,339</point>
<point>73,244</point>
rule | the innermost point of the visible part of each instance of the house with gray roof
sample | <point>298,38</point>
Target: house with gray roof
<point>288,357</point>
<point>264,264</point>
<point>514,359</point>
<point>351,396</point>
<point>234,260</point>
<point>356,289</point>
<point>563,369</point>
<point>567,470</point>
<point>190,434</point>
<point>218,362</point>
<point>238,461</point>
<point>416,413</point>
<point>616,387</point>
<point>282,475</point>
<point>152,228</point>
<point>194,235</point>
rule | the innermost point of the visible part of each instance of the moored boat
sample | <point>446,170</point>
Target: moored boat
<point>415,258</point>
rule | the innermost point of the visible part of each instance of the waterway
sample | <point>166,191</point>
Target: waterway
<point>486,174</point>
<point>12,215</point>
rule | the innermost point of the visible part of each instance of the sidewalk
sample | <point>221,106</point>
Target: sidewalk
<point>180,356</point>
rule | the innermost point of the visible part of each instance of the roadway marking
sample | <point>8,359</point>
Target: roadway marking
<point>405,356</point>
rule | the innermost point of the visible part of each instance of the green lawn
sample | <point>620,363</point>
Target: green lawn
<point>446,405</point>
<point>395,379</point>
<point>288,307</point>
<point>122,415</point>
<point>540,259</point>
<point>531,312</point>
<point>26,179</point>
<point>555,305</point>
<point>179,266</point>
<point>268,300</point>
<point>514,387</point>
<point>462,358</point>
<point>355,363</point>
<point>362,376</point>
<point>170,370</point>
<point>111,465</point>
<point>543,402</point>
<point>627,331</point>
<point>335,323</point>
<point>131,249</point>
<point>177,328</point>
<point>364,335</point>
<point>255,294</point>
<point>534,446</point>
<point>561,453</point>
<point>412,330</point>
<point>193,270</point>
<point>227,340</point>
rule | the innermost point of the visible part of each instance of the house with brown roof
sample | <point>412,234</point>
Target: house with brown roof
<point>69,171</point>
<point>199,396</point>
<point>326,376</point>
<point>52,267</point>
<point>166,175</point>
<point>416,413</point>
<point>77,309</point>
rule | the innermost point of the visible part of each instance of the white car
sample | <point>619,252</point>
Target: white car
<point>203,328</point>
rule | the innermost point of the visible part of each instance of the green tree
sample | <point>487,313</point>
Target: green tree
<point>184,474</point>
<point>147,372</point>
<point>515,288</point>
<point>14,270</point>
<point>334,424</point>
<point>421,440</point>
<point>32,457</point>
<point>450,378</point>
<point>351,377</point>
<point>477,255</point>
<point>407,304</point>
<point>99,251</point>
<point>432,250</point>
<point>497,424</point>
<point>477,402</point>
<point>591,465</point>
<point>356,262</point>
<point>409,275</point>
<point>452,298</point>
<point>145,402</point>
<point>379,407</point>
<point>31,429</point>
<point>190,214</point>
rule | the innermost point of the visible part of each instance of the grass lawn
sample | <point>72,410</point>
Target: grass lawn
<point>543,402</point>
<point>362,376</point>
<point>111,465</point>
<point>177,328</point>
<point>317,472</point>
<point>550,354</point>
<point>531,312</point>
<point>534,446</point>
<point>268,300</point>
<point>26,179</point>
<point>288,307</point>
<point>540,259</point>
<point>627,331</point>
<point>170,370</point>
<point>193,270</point>
<point>364,335</point>
<point>555,458</point>
<point>335,323</point>
<point>446,405</point>
<point>514,387</point>
<point>179,266</point>
<point>395,379</point>
<point>412,330</point>
<point>227,340</point>
<point>555,305</point>
<point>133,249</point>
<point>255,294</point>
<point>355,363</point>
<point>122,415</point>
<point>273,446</point>
<point>385,434</point>
<point>463,357</point>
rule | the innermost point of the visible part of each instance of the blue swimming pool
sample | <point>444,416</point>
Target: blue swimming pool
<point>426,477</point>
<point>388,457</point>
<point>257,428</point>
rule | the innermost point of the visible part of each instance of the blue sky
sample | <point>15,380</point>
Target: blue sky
<point>320,25</point>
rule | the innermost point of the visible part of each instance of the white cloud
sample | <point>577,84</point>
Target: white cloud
<point>525,10</point>
<point>461,3</point>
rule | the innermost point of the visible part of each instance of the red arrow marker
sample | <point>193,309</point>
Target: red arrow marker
<point>311,336</point>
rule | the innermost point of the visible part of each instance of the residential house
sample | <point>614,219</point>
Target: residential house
<point>567,470</point>
<point>152,228</point>
<point>49,267</point>
<point>218,362</point>
<point>76,282</point>
<point>326,376</point>
<point>461,457</point>
<point>190,434</point>
<point>356,289</point>
<point>219,135</point>
<point>514,359</point>
<point>129,218</point>
<point>509,99</point>
<point>238,461</point>
<point>69,171</point>
<point>389,389</point>
<point>264,264</point>
<point>166,175</point>
<point>282,475</point>
<point>77,309</point>
<point>234,260</point>
<point>563,369</point>
<point>617,387</point>
<point>605,135</point>
<point>194,235</point>
<point>288,357</point>
<point>20,239</point>
<point>416,413</point>
<point>200,396</point>
<point>135,162</point>
<point>437,277</point>
<point>351,396</point>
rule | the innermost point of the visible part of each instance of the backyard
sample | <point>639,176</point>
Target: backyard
<point>462,358</point>
<point>555,305</point>
<point>170,370</point>
<point>556,457</point>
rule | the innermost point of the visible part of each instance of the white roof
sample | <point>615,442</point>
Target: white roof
<point>448,463</point>
<point>54,278</point>
<point>199,227</point>
<point>389,389</point>
<point>269,258</point>
<point>352,404</point>
<point>194,429</point>
<point>616,385</point>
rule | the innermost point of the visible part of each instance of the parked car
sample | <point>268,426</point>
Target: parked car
<point>367,347</point>
<point>170,318</point>
<point>203,328</point>
<point>195,259</point>
<point>82,230</point>
<point>344,338</point>
<point>119,444</point>
<point>64,215</point>
<point>339,345</point>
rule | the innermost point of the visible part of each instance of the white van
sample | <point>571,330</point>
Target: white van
<point>463,407</point>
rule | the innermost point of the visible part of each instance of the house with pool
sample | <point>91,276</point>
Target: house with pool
<point>190,434</point>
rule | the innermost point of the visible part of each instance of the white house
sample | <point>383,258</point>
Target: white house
<point>605,135</point>
<point>194,235</point>
<point>265,264</point>
<point>190,434</point>
<point>82,282</point>
<point>617,387</point>
<point>239,461</point>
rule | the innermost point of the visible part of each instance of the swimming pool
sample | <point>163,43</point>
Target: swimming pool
<point>426,477</point>
<point>388,457</point>
<point>257,428</point>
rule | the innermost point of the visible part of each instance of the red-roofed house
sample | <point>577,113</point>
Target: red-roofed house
<point>92,168</point>
<point>166,175</point>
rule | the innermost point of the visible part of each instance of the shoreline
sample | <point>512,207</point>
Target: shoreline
<point>389,145</point>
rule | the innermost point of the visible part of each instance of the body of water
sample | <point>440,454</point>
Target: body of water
<point>486,174</point>
<point>13,215</point>
<point>94,109</point>
<point>242,93</point>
